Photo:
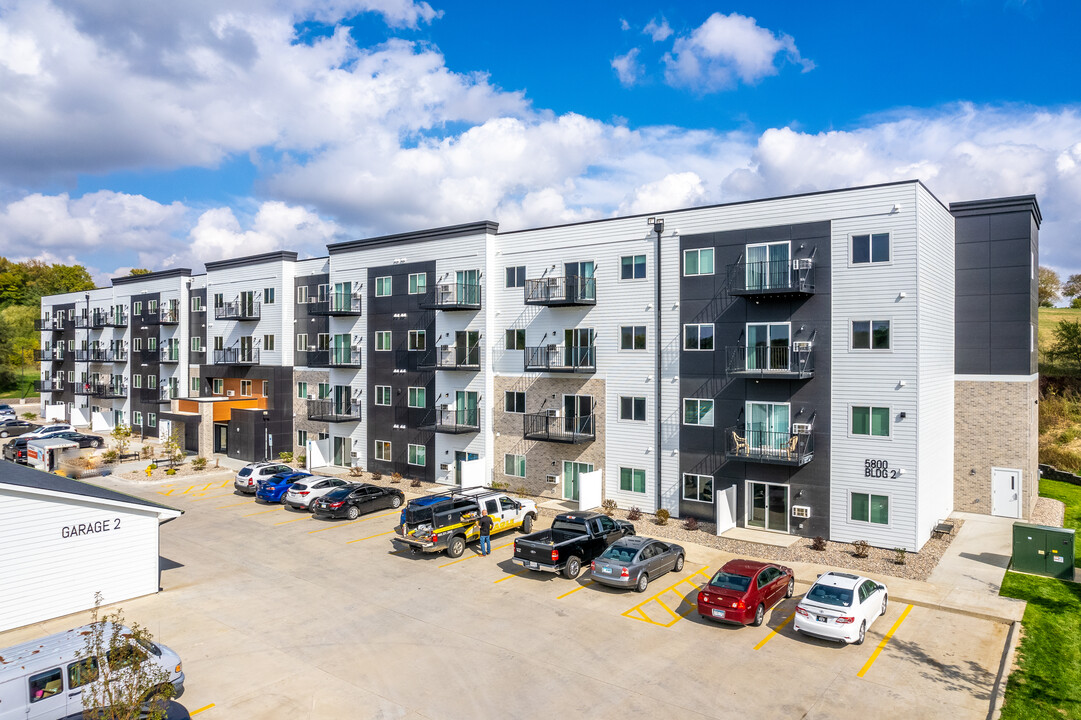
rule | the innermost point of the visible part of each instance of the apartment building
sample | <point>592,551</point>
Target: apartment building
<point>853,364</point>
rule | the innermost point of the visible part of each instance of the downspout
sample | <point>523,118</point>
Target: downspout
<point>658,228</point>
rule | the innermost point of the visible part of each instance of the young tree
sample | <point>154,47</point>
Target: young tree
<point>1050,287</point>
<point>121,435</point>
<point>171,449</point>
<point>1072,288</point>
<point>1068,341</point>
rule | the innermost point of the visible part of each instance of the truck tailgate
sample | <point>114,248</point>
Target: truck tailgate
<point>538,550</point>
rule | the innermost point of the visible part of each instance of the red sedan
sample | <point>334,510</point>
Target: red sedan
<point>743,590</point>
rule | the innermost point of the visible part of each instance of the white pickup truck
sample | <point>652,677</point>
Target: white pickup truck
<point>447,521</point>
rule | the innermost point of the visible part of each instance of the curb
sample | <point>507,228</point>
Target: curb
<point>998,691</point>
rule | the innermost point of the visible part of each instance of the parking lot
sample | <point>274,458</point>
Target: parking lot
<point>279,615</point>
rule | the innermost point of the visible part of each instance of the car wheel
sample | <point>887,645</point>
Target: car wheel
<point>94,443</point>
<point>791,587</point>
<point>884,599</point>
<point>863,633</point>
<point>679,564</point>
<point>642,584</point>
<point>352,513</point>
<point>456,546</point>
<point>527,524</point>
<point>3,433</point>
<point>572,568</point>
<point>396,501</point>
<point>759,615</point>
<point>282,501</point>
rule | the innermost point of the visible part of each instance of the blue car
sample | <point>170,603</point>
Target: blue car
<point>272,490</point>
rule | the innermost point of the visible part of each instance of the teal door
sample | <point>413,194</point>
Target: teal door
<point>465,406</point>
<point>768,426</point>
<point>340,453</point>
<point>343,295</point>
<point>572,473</point>
<point>767,346</point>
<point>459,458</point>
<point>468,287</point>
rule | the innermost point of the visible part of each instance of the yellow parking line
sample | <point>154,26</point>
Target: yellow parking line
<point>351,522</point>
<point>166,493</point>
<point>196,712</point>
<point>262,512</point>
<point>222,507</point>
<point>656,597</point>
<point>521,572</point>
<point>388,532</point>
<point>470,557</point>
<point>286,522</point>
<point>212,497</point>
<point>569,592</point>
<point>775,631</point>
<point>874,655</point>
<point>221,486</point>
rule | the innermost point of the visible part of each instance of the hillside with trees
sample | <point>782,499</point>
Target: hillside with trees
<point>1059,341</point>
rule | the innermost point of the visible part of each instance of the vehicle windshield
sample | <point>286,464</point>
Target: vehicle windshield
<point>575,526</point>
<point>244,472</point>
<point>620,554</point>
<point>730,581</point>
<point>828,595</point>
<point>339,494</point>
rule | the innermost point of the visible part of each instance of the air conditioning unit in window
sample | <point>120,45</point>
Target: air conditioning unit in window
<point>354,455</point>
<point>801,511</point>
<point>801,264</point>
<point>552,479</point>
<point>444,466</point>
<point>801,346</point>
<point>801,428</point>
<point>230,393</point>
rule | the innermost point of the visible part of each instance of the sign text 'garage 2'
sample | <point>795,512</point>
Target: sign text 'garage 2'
<point>100,526</point>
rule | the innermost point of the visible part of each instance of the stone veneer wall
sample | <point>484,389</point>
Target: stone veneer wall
<point>996,424</point>
<point>539,455</point>
<point>300,406</point>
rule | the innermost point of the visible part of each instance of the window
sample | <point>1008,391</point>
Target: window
<point>268,342</point>
<point>698,337</point>
<point>302,438</point>
<point>382,340</point>
<point>515,277</point>
<point>698,262</point>
<point>302,294</point>
<point>633,337</point>
<point>873,421</point>
<point>71,345</point>
<point>633,408</point>
<point>514,465</point>
<point>382,394</point>
<point>197,344</point>
<point>197,303</point>
<point>152,344</point>
<point>266,388</point>
<point>632,480</point>
<point>45,685</point>
<point>870,248</point>
<point>870,508</point>
<point>302,342</point>
<point>152,307</point>
<point>268,296</point>
<point>514,339</point>
<point>137,418</point>
<point>698,487</point>
<point>302,390</point>
<point>870,334</point>
<point>137,381</point>
<point>417,340</point>
<point>219,386</point>
<point>193,385</point>
<point>245,387</point>
<point>151,381</point>
<point>382,450</point>
<point>697,412</point>
<point>324,390</point>
<point>513,402</point>
<point>322,341</point>
<point>137,308</point>
<point>219,300</point>
<point>417,455</point>
<point>418,397</point>
<point>632,267</point>
<point>418,283</point>
<point>219,342</point>
<point>323,436</point>
<point>384,286</point>
<point>82,672</point>
<point>71,376</point>
<point>136,344</point>
<point>151,419</point>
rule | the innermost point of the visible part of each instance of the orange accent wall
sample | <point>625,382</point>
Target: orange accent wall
<point>224,410</point>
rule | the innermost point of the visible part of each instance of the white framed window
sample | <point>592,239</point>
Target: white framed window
<point>219,342</point>
<point>268,342</point>
<point>514,465</point>
<point>197,303</point>
<point>266,388</point>
<point>698,336</point>
<point>871,335</point>
<point>515,277</point>
<point>196,344</point>
<point>152,344</point>
<point>194,385</point>
<point>632,408</point>
<point>151,419</point>
<point>219,300</point>
<point>71,376</point>
<point>245,387</point>
<point>633,337</point>
<point>322,341</point>
<point>268,296</point>
<point>136,344</point>
<point>513,401</point>
<point>219,386</point>
<point>324,390</point>
<point>418,283</point>
<point>137,308</point>
<point>698,488</point>
<point>869,508</point>
<point>151,381</point>
<point>302,342</point>
<point>870,248</point>
<point>383,340</point>
<point>302,390</point>
<point>514,339</point>
<point>302,294</point>
<point>418,455</point>
<point>697,411</point>
<point>136,381</point>
<point>302,438</point>
<point>632,267</point>
<point>632,480</point>
<point>152,307</point>
<point>418,340</point>
<point>698,262</point>
<point>382,395</point>
<point>137,418</point>
<point>323,436</point>
<point>384,286</point>
<point>870,421</point>
<point>418,397</point>
<point>382,450</point>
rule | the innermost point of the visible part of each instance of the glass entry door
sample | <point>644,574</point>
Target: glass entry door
<point>342,353</point>
<point>767,506</point>
<point>572,471</point>
<point>467,347</point>
<point>343,294</point>
<point>585,287</point>
<point>578,414</point>
<point>221,438</point>
<point>767,266</point>
<point>465,406</point>
<point>768,426</point>
<point>340,452</point>
<point>246,354</point>
<point>247,303</point>
<point>468,287</point>
<point>579,344</point>
<point>767,346</point>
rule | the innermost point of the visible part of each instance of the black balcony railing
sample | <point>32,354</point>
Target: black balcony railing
<point>116,319</point>
<point>99,319</point>
<point>776,361</point>
<point>120,355</point>
<point>54,385</point>
<point>82,322</point>
<point>453,422</point>
<point>452,296</point>
<point>768,278</point>
<point>50,355</point>
<point>238,310</point>
<point>573,429</point>
<point>48,324</point>
<point>102,390</point>
<point>237,356</point>
<point>102,355</point>
<point>556,291</point>
<point>561,358</point>
<point>775,448</point>
<point>333,411</point>
<point>170,354</point>
<point>338,304</point>
<point>162,395</point>
<point>451,357</point>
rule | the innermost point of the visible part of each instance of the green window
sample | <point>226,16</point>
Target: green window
<point>384,286</point>
<point>417,455</point>
<point>632,267</point>
<point>514,465</point>
<point>871,508</point>
<point>324,391</point>
<point>382,394</point>
<point>698,262</point>
<point>418,283</point>
<point>514,339</point>
<point>632,337</point>
<point>632,480</point>
<point>872,421</point>
<point>302,390</point>
<point>697,412</point>
<point>382,340</point>
<point>417,397</point>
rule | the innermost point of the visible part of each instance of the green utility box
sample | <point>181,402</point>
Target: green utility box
<point>1043,550</point>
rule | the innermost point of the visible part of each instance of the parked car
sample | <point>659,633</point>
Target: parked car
<point>49,429</point>
<point>742,591</point>
<point>273,489</point>
<point>13,427</point>
<point>631,562</point>
<point>6,410</point>
<point>85,441</point>
<point>449,521</point>
<point>247,480</point>
<point>351,502</point>
<point>573,539</point>
<point>841,606</point>
<point>301,495</point>
<point>15,450</point>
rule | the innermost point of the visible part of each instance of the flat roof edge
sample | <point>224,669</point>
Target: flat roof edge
<point>1017,203</point>
<point>277,255</point>
<point>157,275</point>
<point>440,233</point>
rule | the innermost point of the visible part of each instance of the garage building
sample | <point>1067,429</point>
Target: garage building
<point>62,541</point>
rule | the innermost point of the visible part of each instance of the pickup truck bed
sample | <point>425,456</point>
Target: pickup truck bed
<point>573,539</point>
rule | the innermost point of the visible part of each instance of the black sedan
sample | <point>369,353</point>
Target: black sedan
<point>350,502</point>
<point>85,441</point>
<point>12,427</point>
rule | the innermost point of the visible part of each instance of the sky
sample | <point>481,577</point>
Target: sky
<point>168,134</point>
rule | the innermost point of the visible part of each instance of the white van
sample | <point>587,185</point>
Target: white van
<point>44,679</point>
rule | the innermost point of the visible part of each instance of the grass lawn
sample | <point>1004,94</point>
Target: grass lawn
<point>26,380</point>
<point>1045,336</point>
<point>1070,495</point>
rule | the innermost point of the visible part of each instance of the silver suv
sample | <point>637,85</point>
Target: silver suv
<point>247,480</point>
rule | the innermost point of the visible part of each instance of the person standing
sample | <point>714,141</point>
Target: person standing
<point>485,526</point>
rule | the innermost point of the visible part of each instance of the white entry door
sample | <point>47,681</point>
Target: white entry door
<point>1006,492</point>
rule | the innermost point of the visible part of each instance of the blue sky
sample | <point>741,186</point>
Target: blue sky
<point>137,134</point>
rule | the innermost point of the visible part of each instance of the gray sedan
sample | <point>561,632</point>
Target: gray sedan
<point>635,560</point>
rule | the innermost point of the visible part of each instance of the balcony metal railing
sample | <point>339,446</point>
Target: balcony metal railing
<point>561,358</point>
<point>120,355</point>
<point>237,356</point>
<point>239,310</point>
<point>338,304</point>
<point>117,319</point>
<point>48,324</point>
<point>168,316</point>
<point>99,319</point>
<point>170,354</point>
<point>452,296</point>
<point>102,390</point>
<point>53,385</point>
<point>333,411</point>
<point>51,355</point>
<point>777,361</point>
<point>82,322</point>
<point>772,277</point>
<point>556,291</point>
<point>162,396</point>
<point>451,357</point>
<point>453,422</point>
<point>776,448</point>
<point>573,429</point>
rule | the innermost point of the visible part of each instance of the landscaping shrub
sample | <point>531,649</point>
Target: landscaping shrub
<point>147,452</point>
<point>28,416</point>
<point>690,524</point>
<point>286,456</point>
<point>302,460</point>
<point>608,506</point>
<point>356,471</point>
<point>377,476</point>
<point>861,548</point>
<point>198,463</point>
<point>634,513</point>
<point>819,543</point>
<point>899,556</point>
<point>662,516</point>
<point>396,477</point>
<point>110,455</point>
<point>171,471</point>
<point>416,483</point>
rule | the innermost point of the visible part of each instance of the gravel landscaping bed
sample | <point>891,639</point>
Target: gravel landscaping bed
<point>1048,512</point>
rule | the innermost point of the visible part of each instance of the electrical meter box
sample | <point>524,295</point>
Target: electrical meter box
<point>1043,550</point>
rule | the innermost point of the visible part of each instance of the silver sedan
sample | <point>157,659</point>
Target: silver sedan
<point>635,560</point>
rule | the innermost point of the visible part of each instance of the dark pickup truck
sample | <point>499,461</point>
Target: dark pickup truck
<point>573,539</point>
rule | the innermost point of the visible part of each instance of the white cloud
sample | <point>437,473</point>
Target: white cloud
<point>678,190</point>
<point>276,226</point>
<point>624,25</point>
<point>659,32</point>
<point>727,50</point>
<point>627,67</point>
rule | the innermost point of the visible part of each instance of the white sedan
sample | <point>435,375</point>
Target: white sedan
<point>841,606</point>
<point>302,494</point>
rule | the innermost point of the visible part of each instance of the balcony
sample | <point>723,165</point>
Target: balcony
<point>561,358</point>
<point>238,310</point>
<point>772,278</point>
<point>102,390</point>
<point>336,305</point>
<point>120,355</point>
<point>49,324</point>
<point>452,296</point>
<point>574,429</point>
<point>561,291</point>
<point>167,316</point>
<point>773,448</point>
<point>453,422</point>
<point>237,356</point>
<point>99,319</point>
<point>169,355</point>
<point>43,386</point>
<point>51,355</point>
<point>782,362</point>
<point>451,357</point>
<point>116,319</point>
<point>332,411</point>
<point>162,396</point>
<point>82,322</point>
